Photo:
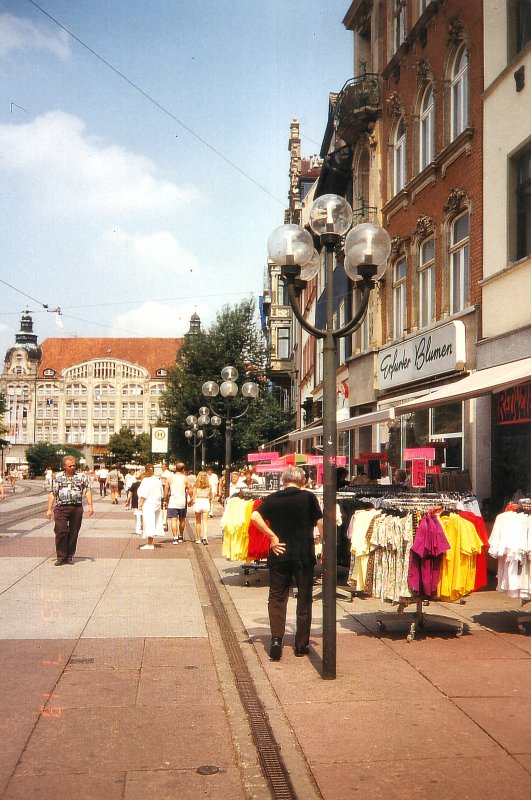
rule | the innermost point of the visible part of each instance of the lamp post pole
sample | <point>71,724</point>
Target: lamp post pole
<point>367,247</point>
<point>228,391</point>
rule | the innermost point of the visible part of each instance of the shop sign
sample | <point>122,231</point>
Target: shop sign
<point>427,453</point>
<point>373,457</point>
<point>433,469</point>
<point>514,405</point>
<point>159,440</point>
<point>418,473</point>
<point>251,457</point>
<point>440,351</point>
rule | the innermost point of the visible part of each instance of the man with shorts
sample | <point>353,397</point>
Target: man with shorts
<point>176,496</point>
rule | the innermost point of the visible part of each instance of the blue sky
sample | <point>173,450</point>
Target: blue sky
<point>110,208</point>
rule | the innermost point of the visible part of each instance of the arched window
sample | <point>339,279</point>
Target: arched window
<point>399,156</point>
<point>459,90</point>
<point>362,179</point>
<point>427,129</point>
<point>459,272</point>
<point>427,282</point>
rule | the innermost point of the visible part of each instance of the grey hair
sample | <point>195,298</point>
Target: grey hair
<point>293,475</point>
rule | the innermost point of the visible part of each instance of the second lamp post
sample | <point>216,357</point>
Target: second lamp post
<point>367,247</point>
<point>229,391</point>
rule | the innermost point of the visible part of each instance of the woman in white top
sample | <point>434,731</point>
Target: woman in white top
<point>149,502</point>
<point>202,497</point>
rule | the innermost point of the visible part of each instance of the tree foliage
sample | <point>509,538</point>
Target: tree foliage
<point>126,447</point>
<point>234,339</point>
<point>2,412</point>
<point>43,455</point>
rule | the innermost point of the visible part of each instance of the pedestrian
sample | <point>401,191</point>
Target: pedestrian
<point>234,485</point>
<point>102,474</point>
<point>65,501</point>
<point>177,494</point>
<point>214,485</point>
<point>202,498</point>
<point>133,501</point>
<point>129,479</point>
<point>2,487</point>
<point>48,478</point>
<point>113,482</point>
<point>288,517</point>
<point>400,478</point>
<point>149,503</point>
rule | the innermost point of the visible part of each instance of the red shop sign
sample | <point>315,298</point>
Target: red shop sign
<point>514,405</point>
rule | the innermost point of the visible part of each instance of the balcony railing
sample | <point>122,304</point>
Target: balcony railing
<point>357,105</point>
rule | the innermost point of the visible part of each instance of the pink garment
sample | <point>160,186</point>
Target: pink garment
<point>425,559</point>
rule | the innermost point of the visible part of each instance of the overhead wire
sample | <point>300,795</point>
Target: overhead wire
<point>156,103</point>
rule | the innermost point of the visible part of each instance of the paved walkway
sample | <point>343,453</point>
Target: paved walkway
<point>114,685</point>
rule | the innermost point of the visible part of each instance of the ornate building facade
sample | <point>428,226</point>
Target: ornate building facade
<point>80,391</point>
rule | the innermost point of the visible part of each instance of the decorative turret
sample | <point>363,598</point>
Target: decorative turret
<point>195,324</point>
<point>26,340</point>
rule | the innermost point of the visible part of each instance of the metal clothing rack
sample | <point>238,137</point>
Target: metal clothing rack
<point>419,619</point>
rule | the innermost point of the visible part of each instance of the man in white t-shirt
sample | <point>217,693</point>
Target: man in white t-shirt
<point>102,474</point>
<point>177,492</point>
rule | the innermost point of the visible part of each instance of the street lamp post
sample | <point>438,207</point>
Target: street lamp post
<point>367,247</point>
<point>197,431</point>
<point>228,391</point>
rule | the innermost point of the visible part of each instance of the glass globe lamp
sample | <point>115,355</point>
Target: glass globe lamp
<point>289,245</point>
<point>228,389</point>
<point>210,389</point>
<point>368,245</point>
<point>330,214</point>
<point>191,420</point>
<point>250,390</point>
<point>311,268</point>
<point>229,374</point>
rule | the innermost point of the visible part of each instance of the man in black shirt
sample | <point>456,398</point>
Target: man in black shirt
<point>288,517</point>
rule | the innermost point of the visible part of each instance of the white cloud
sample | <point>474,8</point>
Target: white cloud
<point>69,172</point>
<point>158,319</point>
<point>20,33</point>
<point>155,256</point>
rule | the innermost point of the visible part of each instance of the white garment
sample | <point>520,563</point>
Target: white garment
<point>150,490</point>
<point>214,482</point>
<point>178,495</point>
<point>510,543</point>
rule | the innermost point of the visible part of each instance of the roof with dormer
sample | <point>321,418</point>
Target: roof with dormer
<point>152,354</point>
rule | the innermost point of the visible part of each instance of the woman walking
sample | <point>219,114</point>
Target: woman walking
<point>202,498</point>
<point>149,503</point>
<point>113,482</point>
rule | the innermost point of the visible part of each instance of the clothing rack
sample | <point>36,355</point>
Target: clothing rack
<point>388,499</point>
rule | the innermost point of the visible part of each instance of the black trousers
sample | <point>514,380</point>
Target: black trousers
<point>103,488</point>
<point>280,578</point>
<point>68,521</point>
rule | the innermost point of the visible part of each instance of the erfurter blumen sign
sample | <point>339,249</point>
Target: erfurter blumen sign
<point>436,352</point>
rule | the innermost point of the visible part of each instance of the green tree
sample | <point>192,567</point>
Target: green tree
<point>233,339</point>
<point>2,412</point>
<point>122,445</point>
<point>142,452</point>
<point>43,455</point>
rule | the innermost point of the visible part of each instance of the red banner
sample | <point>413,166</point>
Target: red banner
<point>418,473</point>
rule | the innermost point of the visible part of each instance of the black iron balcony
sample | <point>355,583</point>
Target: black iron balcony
<point>358,104</point>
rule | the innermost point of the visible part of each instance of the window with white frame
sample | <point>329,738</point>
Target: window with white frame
<point>459,93</point>
<point>399,156</point>
<point>282,292</point>
<point>459,272</point>
<point>399,14</point>
<point>132,389</point>
<point>283,343</point>
<point>427,129</point>
<point>104,390</point>
<point>427,282</point>
<point>399,298</point>
<point>132,411</point>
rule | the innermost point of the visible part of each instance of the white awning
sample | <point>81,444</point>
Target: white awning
<point>346,424</point>
<point>484,381</point>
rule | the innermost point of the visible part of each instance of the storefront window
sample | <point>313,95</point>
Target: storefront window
<point>447,419</point>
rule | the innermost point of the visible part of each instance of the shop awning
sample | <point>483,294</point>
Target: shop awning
<point>484,381</point>
<point>346,424</point>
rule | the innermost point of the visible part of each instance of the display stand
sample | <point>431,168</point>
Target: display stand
<point>419,619</point>
<point>523,619</point>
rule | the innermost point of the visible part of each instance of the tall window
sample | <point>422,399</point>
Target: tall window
<point>459,93</point>
<point>282,292</point>
<point>427,129</point>
<point>399,156</point>
<point>427,283</point>
<point>399,14</point>
<point>519,25</point>
<point>523,206</point>
<point>459,273</point>
<point>399,298</point>
<point>283,339</point>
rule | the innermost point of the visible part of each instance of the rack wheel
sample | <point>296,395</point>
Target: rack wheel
<point>458,633</point>
<point>246,570</point>
<point>410,637</point>
<point>247,583</point>
<point>381,626</point>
